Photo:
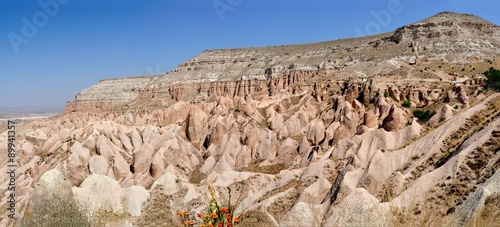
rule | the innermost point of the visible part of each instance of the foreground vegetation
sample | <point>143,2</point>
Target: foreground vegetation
<point>493,76</point>
<point>54,209</point>
<point>217,215</point>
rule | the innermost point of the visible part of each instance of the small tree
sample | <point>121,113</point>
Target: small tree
<point>423,115</point>
<point>406,103</point>
<point>493,76</point>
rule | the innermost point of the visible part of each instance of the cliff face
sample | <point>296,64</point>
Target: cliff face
<point>291,81</point>
<point>109,93</point>
<point>117,89</point>
<point>238,72</point>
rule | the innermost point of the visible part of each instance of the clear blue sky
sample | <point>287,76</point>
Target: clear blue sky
<point>79,42</point>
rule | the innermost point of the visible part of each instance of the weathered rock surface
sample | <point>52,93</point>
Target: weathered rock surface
<point>442,114</point>
<point>100,193</point>
<point>394,120</point>
<point>318,140</point>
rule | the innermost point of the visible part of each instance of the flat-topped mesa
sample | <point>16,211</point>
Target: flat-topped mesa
<point>248,64</point>
<point>116,89</point>
<point>244,71</point>
<point>109,93</point>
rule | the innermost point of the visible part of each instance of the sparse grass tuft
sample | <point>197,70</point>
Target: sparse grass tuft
<point>255,218</point>
<point>443,158</point>
<point>267,169</point>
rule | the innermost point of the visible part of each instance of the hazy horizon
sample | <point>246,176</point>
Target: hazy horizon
<point>31,109</point>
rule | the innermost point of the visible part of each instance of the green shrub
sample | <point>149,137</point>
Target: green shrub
<point>386,94</point>
<point>406,103</point>
<point>408,122</point>
<point>443,158</point>
<point>493,76</point>
<point>423,115</point>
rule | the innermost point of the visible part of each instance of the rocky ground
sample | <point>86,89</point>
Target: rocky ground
<point>309,135</point>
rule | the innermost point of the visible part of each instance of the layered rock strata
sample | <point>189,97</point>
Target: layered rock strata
<point>319,134</point>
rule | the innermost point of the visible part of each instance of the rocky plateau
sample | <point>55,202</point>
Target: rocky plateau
<point>321,134</point>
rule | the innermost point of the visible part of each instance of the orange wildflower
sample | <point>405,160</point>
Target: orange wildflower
<point>228,217</point>
<point>236,220</point>
<point>214,215</point>
<point>199,215</point>
<point>224,210</point>
<point>229,224</point>
<point>210,225</point>
<point>219,224</point>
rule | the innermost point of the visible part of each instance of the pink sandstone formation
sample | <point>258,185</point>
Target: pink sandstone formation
<point>306,135</point>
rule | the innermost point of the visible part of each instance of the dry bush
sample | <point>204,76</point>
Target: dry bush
<point>197,176</point>
<point>157,211</point>
<point>102,218</point>
<point>411,216</point>
<point>266,169</point>
<point>255,218</point>
<point>54,209</point>
<point>413,213</point>
<point>490,216</point>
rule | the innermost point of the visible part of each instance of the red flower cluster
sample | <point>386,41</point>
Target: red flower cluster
<point>216,216</point>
